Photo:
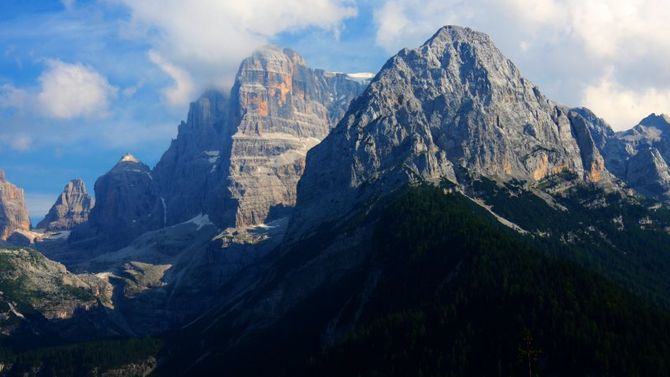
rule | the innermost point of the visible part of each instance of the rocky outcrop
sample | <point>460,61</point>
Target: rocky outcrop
<point>453,105</point>
<point>127,205</point>
<point>284,109</point>
<point>41,302</point>
<point>238,158</point>
<point>189,169</point>
<point>71,208</point>
<point>29,278</point>
<point>169,276</point>
<point>640,156</point>
<point>13,211</point>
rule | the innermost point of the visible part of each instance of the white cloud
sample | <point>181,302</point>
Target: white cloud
<point>73,90</point>
<point>18,142</point>
<point>626,106</point>
<point>406,23</point>
<point>607,28</point>
<point>566,46</point>
<point>209,38</point>
<point>13,97</point>
<point>183,90</point>
<point>538,11</point>
<point>68,4</point>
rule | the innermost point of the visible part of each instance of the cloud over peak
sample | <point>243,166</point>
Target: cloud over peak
<point>201,43</point>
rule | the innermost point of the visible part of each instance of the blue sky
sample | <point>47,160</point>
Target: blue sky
<point>82,82</point>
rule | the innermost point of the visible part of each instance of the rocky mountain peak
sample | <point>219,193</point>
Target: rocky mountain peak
<point>129,158</point>
<point>449,35</point>
<point>660,121</point>
<point>471,59</point>
<point>455,104</point>
<point>128,161</point>
<point>127,205</point>
<point>70,209</point>
<point>13,211</point>
<point>270,54</point>
<point>76,185</point>
<point>640,156</point>
<point>238,157</point>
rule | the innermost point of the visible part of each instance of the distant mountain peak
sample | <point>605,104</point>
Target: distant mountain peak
<point>72,207</point>
<point>2,175</point>
<point>76,184</point>
<point>269,52</point>
<point>126,205</point>
<point>455,32</point>
<point>128,162</point>
<point>129,158</point>
<point>656,120</point>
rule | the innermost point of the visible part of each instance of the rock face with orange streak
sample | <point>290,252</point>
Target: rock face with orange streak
<point>239,157</point>
<point>13,211</point>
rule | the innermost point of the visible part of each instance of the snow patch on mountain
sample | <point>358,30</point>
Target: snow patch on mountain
<point>200,221</point>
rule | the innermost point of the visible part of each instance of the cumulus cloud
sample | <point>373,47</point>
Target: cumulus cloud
<point>610,97</point>
<point>567,46</point>
<point>209,38</point>
<point>608,28</point>
<point>73,90</point>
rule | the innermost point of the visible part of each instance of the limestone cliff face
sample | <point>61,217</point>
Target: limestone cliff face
<point>71,208</point>
<point>238,158</point>
<point>127,205</point>
<point>453,105</point>
<point>284,110</point>
<point>13,211</point>
<point>188,170</point>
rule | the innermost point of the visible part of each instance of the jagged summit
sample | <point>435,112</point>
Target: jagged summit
<point>129,158</point>
<point>641,155</point>
<point>658,121</point>
<point>126,205</point>
<point>454,104</point>
<point>70,209</point>
<point>450,33</point>
<point>128,162</point>
<point>268,53</point>
<point>77,185</point>
<point>2,175</point>
<point>239,156</point>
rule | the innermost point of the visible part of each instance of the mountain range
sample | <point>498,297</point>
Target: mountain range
<point>442,217</point>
